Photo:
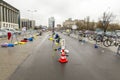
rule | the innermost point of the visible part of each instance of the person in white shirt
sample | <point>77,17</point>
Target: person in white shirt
<point>24,31</point>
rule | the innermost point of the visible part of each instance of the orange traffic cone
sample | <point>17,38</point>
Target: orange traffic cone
<point>63,58</point>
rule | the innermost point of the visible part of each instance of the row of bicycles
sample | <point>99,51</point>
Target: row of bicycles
<point>107,39</point>
<point>112,39</point>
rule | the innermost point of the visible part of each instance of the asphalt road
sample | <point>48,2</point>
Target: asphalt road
<point>84,63</point>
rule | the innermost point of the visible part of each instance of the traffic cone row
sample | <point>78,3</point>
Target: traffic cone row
<point>16,43</point>
<point>7,45</point>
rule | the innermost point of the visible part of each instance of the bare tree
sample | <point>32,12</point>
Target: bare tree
<point>80,25</point>
<point>114,26</point>
<point>107,18</point>
<point>91,25</point>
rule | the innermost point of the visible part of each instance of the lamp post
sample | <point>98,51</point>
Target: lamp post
<point>53,26</point>
<point>32,12</point>
<point>52,21</point>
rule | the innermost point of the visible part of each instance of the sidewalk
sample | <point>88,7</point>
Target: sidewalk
<point>11,58</point>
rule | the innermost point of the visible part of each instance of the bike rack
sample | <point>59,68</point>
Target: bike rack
<point>118,50</point>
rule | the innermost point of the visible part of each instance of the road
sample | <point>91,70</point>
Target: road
<point>84,63</point>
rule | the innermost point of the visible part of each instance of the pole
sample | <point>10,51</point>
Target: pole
<point>53,31</point>
<point>32,12</point>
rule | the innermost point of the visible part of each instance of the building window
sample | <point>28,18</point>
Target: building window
<point>3,14</point>
<point>6,14</point>
<point>3,24</point>
<point>0,13</point>
<point>6,25</point>
<point>30,24</point>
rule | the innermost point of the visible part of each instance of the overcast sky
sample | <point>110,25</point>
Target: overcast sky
<point>64,9</point>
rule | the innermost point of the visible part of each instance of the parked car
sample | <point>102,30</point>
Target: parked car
<point>6,31</point>
<point>118,33</point>
<point>3,33</point>
<point>14,31</point>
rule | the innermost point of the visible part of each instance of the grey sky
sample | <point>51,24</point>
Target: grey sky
<point>64,9</point>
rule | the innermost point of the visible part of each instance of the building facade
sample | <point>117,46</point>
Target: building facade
<point>59,26</point>
<point>69,23</point>
<point>29,24</point>
<point>51,22</point>
<point>9,16</point>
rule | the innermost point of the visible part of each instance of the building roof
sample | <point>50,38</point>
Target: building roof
<point>1,1</point>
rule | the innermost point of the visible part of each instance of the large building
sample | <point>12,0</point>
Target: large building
<point>9,16</point>
<point>69,23</point>
<point>29,24</point>
<point>59,26</point>
<point>51,22</point>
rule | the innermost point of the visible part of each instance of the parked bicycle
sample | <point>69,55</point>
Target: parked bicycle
<point>81,35</point>
<point>112,40</point>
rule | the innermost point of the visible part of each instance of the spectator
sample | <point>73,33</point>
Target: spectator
<point>24,31</point>
<point>57,37</point>
<point>40,33</point>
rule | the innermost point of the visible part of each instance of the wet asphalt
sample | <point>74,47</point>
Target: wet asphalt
<point>84,63</point>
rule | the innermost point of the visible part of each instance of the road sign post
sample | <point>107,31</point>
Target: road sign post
<point>63,44</point>
<point>74,27</point>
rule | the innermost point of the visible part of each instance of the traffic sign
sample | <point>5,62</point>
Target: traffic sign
<point>63,43</point>
<point>74,27</point>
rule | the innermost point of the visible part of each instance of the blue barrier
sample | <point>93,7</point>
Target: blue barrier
<point>30,39</point>
<point>10,45</point>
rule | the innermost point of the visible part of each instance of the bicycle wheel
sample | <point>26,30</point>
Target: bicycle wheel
<point>106,43</point>
<point>98,39</point>
<point>80,37</point>
<point>90,37</point>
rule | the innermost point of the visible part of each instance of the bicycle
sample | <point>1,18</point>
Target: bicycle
<point>112,41</point>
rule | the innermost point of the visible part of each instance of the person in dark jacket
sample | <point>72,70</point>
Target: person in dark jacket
<point>57,37</point>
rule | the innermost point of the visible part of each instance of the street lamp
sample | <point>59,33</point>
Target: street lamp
<point>53,25</point>
<point>32,12</point>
